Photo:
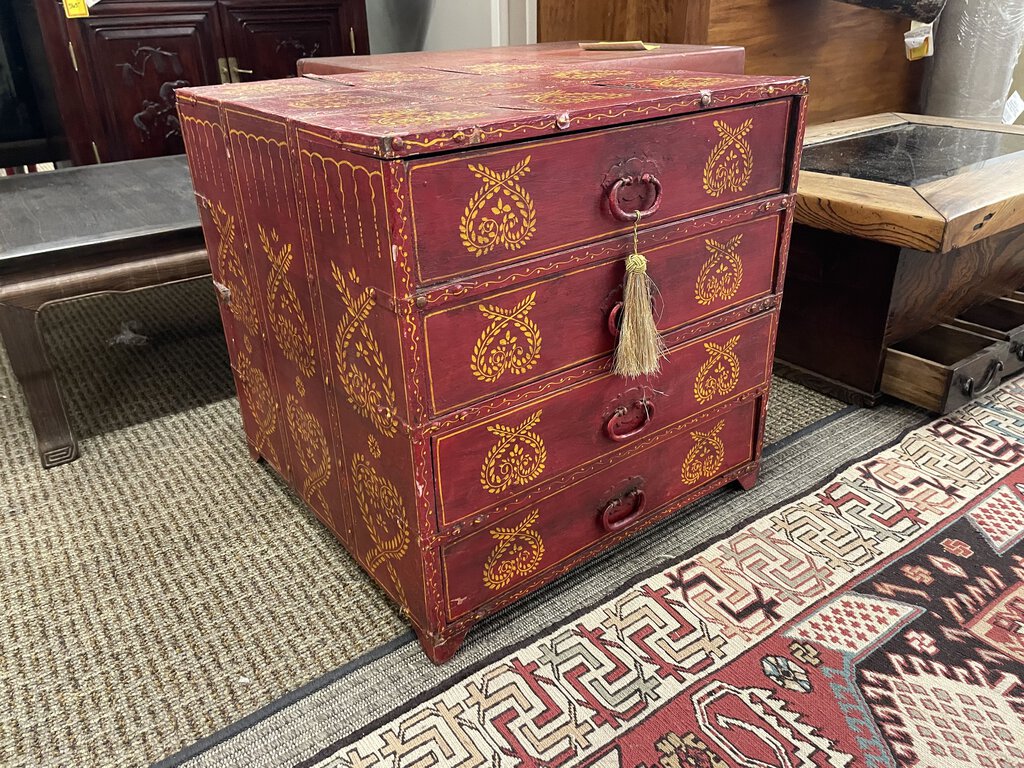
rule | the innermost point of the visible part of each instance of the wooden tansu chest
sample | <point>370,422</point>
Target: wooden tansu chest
<point>421,275</point>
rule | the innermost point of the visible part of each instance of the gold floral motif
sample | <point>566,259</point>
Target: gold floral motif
<point>382,511</point>
<point>706,456</point>
<point>262,405</point>
<point>720,372</point>
<point>511,342</point>
<point>516,459</point>
<point>501,67</point>
<point>370,391</point>
<point>731,160</point>
<point>287,320</point>
<point>676,81</point>
<point>373,446</point>
<point>518,553</point>
<point>490,219</point>
<point>311,446</point>
<point>264,88</point>
<point>381,78</point>
<point>584,74</point>
<point>557,97</point>
<point>413,116</point>
<point>337,99</point>
<point>721,274</point>
<point>241,303</point>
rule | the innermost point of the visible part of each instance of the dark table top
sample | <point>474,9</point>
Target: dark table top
<point>96,205</point>
<point>911,154</point>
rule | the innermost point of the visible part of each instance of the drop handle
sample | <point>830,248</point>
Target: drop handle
<point>617,426</point>
<point>637,502</point>
<point>971,389</point>
<point>627,181</point>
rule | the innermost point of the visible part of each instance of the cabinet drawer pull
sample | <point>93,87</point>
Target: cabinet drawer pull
<point>615,423</point>
<point>627,181</point>
<point>968,387</point>
<point>638,502</point>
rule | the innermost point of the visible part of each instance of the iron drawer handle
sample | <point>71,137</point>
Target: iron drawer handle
<point>613,319</point>
<point>968,388</point>
<point>639,505</point>
<point>611,428</point>
<point>626,181</point>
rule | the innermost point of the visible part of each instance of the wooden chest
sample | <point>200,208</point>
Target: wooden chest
<point>667,56</point>
<point>420,277</point>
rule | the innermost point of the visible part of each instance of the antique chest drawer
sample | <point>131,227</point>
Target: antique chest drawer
<point>503,340</point>
<point>592,506</point>
<point>943,367</point>
<point>479,465</point>
<point>478,210</point>
<point>421,293</point>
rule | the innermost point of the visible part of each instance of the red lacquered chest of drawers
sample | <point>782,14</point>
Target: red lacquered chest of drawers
<point>420,275</point>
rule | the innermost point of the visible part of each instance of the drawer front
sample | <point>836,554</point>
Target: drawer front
<point>475,210</point>
<point>504,340</point>
<point>492,561</point>
<point>485,463</point>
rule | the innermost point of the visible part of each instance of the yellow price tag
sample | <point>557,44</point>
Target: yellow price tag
<point>75,9</point>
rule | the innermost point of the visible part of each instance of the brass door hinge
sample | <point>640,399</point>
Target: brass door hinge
<point>352,38</point>
<point>74,59</point>
<point>96,152</point>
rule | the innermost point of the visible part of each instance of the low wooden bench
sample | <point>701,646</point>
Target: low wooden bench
<point>70,233</point>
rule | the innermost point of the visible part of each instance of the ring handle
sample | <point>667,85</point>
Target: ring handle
<point>970,390</point>
<point>627,181</point>
<point>610,523</point>
<point>614,314</point>
<point>613,428</point>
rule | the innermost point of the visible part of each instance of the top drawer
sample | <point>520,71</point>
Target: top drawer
<point>477,210</point>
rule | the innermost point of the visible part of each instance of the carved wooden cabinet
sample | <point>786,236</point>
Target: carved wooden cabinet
<point>420,276</point>
<point>118,68</point>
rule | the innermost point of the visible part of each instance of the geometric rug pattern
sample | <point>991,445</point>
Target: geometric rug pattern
<point>877,622</point>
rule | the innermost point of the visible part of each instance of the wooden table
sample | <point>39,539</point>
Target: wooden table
<point>905,225</point>
<point>70,233</point>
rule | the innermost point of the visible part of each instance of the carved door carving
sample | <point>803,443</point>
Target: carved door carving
<point>265,41</point>
<point>117,69</point>
<point>134,64</point>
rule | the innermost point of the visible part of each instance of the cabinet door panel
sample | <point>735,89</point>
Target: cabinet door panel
<point>133,65</point>
<point>265,40</point>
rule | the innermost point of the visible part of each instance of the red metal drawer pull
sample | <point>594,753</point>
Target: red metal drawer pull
<point>615,423</point>
<point>639,503</point>
<point>613,319</point>
<point>627,181</point>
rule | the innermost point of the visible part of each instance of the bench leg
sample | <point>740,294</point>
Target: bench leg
<point>20,331</point>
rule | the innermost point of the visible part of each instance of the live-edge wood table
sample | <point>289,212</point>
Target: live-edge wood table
<point>79,231</point>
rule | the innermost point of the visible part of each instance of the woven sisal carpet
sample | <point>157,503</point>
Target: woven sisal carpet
<point>163,589</point>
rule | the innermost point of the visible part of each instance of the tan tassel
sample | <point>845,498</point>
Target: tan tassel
<point>640,346</point>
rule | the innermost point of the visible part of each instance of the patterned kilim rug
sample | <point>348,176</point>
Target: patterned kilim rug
<point>877,621</point>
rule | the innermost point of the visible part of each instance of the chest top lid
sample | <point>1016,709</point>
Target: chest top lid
<point>424,110</point>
